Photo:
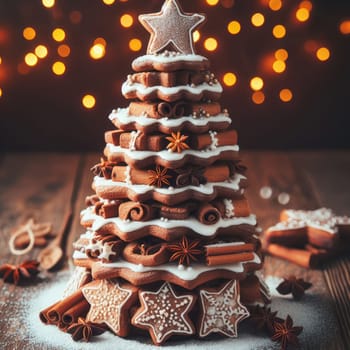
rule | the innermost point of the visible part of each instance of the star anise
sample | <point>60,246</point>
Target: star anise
<point>190,176</point>
<point>18,273</point>
<point>264,318</point>
<point>286,334</point>
<point>294,286</point>
<point>158,177</point>
<point>177,142</point>
<point>83,330</point>
<point>185,251</point>
<point>104,168</point>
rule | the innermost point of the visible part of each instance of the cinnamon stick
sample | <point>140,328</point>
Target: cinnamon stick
<point>43,315</point>
<point>207,214</point>
<point>136,211</point>
<point>300,257</point>
<point>229,248</point>
<point>76,311</point>
<point>229,258</point>
<point>217,173</point>
<point>56,312</point>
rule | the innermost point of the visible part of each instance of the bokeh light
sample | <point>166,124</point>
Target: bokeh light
<point>135,44</point>
<point>230,79</point>
<point>126,20</point>
<point>0,92</point>
<point>211,44</point>
<point>323,54</point>
<point>100,41</point>
<point>258,97</point>
<point>88,101</point>
<point>279,66</point>
<point>212,2</point>
<point>0,59</point>
<point>302,14</point>
<point>48,3</point>
<point>306,4</point>
<point>30,59</point>
<point>108,2</point>
<point>41,51</point>
<point>344,27</point>
<point>275,5</point>
<point>58,34</point>
<point>29,33</point>
<point>256,83</point>
<point>59,68</point>
<point>63,50</point>
<point>279,31</point>
<point>286,95</point>
<point>281,54</point>
<point>234,27</point>
<point>258,19</point>
<point>97,51</point>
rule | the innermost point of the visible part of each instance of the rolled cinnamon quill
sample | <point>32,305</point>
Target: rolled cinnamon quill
<point>76,311</point>
<point>55,314</point>
<point>136,211</point>
<point>126,174</point>
<point>300,257</point>
<point>43,315</point>
<point>207,214</point>
<point>229,258</point>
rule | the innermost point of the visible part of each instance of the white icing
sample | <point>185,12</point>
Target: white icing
<point>134,136</point>
<point>190,223</point>
<point>130,87</point>
<point>230,244</point>
<point>168,59</point>
<point>214,140</point>
<point>122,115</point>
<point>169,156</point>
<point>207,189</point>
<point>187,273</point>
<point>127,175</point>
<point>229,208</point>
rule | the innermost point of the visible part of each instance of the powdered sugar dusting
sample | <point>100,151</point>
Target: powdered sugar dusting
<point>313,312</point>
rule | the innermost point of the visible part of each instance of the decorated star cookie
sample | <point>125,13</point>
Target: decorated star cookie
<point>171,28</point>
<point>221,310</point>
<point>319,227</point>
<point>109,304</point>
<point>164,314</point>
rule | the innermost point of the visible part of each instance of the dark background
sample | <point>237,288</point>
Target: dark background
<point>42,111</point>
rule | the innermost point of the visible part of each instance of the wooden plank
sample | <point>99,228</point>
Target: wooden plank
<point>329,173</point>
<point>277,171</point>
<point>31,185</point>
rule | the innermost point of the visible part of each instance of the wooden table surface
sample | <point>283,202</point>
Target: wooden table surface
<point>46,186</point>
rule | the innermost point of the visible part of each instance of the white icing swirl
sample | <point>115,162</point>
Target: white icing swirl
<point>190,223</point>
<point>169,156</point>
<point>122,115</point>
<point>168,59</point>
<point>207,189</point>
<point>189,273</point>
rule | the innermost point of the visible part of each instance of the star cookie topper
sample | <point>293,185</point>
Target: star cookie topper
<point>171,28</point>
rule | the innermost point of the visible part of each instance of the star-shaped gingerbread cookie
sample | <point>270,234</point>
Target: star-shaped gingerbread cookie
<point>221,310</point>
<point>171,28</point>
<point>164,314</point>
<point>109,304</point>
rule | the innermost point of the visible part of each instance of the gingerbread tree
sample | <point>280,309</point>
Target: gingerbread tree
<point>171,245</point>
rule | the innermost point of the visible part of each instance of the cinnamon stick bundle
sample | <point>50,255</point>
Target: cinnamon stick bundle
<point>54,314</point>
<point>229,253</point>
